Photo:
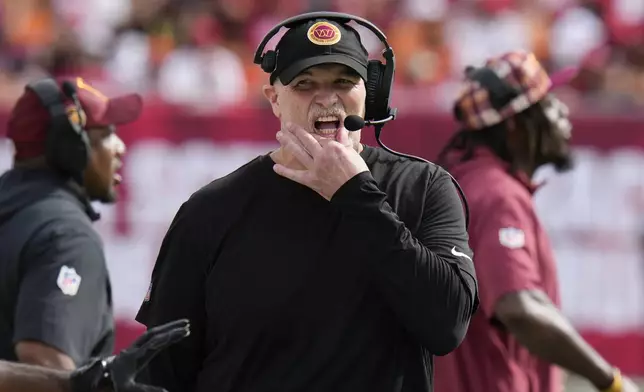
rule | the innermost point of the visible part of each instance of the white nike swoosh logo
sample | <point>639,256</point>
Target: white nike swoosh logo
<point>460,254</point>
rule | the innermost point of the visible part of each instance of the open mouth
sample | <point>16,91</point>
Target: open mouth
<point>327,126</point>
<point>116,177</point>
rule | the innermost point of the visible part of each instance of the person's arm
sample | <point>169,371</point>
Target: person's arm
<point>28,378</point>
<point>511,291</point>
<point>42,354</point>
<point>539,326</point>
<point>61,297</point>
<point>427,279</point>
<point>177,291</point>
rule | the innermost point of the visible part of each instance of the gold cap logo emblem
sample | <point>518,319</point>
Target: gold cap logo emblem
<point>324,33</point>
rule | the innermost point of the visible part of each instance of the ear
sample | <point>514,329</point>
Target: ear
<point>271,94</point>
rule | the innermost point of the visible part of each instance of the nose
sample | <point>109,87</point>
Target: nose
<point>119,146</point>
<point>327,97</point>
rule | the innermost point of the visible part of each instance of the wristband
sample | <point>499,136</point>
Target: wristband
<point>617,384</point>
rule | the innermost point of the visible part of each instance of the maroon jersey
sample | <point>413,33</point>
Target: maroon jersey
<point>511,253</point>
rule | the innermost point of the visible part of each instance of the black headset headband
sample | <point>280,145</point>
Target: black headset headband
<point>335,16</point>
<point>50,96</point>
<point>501,92</point>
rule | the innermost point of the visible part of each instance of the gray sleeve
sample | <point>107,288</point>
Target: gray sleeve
<point>63,292</point>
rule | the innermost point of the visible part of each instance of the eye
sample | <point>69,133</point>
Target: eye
<point>301,84</point>
<point>346,82</point>
<point>102,132</point>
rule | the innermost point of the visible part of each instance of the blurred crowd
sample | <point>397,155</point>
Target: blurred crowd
<point>198,53</point>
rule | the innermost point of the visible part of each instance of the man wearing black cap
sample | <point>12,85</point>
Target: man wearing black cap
<point>55,296</point>
<point>325,265</point>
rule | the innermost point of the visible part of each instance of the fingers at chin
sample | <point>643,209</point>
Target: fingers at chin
<point>343,137</point>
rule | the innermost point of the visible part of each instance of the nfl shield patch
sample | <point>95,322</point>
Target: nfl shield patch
<point>68,281</point>
<point>511,237</point>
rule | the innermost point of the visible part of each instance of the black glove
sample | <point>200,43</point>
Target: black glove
<point>117,373</point>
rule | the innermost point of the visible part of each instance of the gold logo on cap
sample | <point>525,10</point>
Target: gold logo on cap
<point>324,33</point>
<point>76,118</point>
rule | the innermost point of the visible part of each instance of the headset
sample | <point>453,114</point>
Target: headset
<point>379,83</point>
<point>380,77</point>
<point>67,146</point>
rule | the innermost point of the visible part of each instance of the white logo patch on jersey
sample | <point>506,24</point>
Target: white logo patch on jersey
<point>511,237</point>
<point>68,281</point>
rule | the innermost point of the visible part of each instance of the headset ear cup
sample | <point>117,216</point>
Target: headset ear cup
<point>68,150</point>
<point>79,147</point>
<point>375,70</point>
<point>84,149</point>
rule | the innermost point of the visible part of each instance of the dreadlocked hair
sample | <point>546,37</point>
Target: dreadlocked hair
<point>532,121</point>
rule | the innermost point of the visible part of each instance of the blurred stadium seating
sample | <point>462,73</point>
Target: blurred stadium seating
<point>198,52</point>
<point>205,116</point>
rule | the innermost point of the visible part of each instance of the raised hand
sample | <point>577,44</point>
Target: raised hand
<point>328,163</point>
<point>118,373</point>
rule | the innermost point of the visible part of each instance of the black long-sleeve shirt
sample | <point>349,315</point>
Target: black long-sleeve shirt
<point>287,291</point>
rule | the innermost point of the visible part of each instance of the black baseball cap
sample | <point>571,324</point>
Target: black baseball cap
<point>320,41</point>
